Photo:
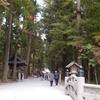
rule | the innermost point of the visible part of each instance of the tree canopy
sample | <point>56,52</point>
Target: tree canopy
<point>71,29</point>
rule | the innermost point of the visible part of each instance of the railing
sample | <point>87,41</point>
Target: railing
<point>91,91</point>
<point>78,90</point>
<point>71,87</point>
<point>75,85</point>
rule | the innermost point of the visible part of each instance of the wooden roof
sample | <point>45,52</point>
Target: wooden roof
<point>19,62</point>
<point>72,63</point>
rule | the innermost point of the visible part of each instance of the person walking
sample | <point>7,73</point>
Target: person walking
<point>56,77</point>
<point>41,76</point>
<point>51,78</point>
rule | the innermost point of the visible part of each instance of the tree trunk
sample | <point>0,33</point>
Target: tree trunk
<point>29,69</point>
<point>0,24</point>
<point>73,53</point>
<point>79,61</point>
<point>21,52</point>
<point>14,68</point>
<point>28,55</point>
<point>95,73</point>
<point>55,65</point>
<point>88,74</point>
<point>78,15</point>
<point>33,55</point>
<point>5,72</point>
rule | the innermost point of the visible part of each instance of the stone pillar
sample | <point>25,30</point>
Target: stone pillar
<point>59,78</point>
<point>66,77</point>
<point>80,83</point>
<point>19,76</point>
<point>22,76</point>
<point>60,72</point>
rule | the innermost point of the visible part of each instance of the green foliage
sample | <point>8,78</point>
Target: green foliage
<point>59,20</point>
<point>93,62</point>
<point>97,39</point>
<point>22,40</point>
<point>59,25</point>
<point>87,53</point>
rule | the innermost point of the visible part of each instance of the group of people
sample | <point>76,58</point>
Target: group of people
<point>53,76</point>
<point>50,77</point>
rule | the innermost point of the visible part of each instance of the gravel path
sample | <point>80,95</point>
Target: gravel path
<point>32,89</point>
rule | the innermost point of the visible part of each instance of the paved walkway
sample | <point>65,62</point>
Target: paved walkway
<point>32,89</point>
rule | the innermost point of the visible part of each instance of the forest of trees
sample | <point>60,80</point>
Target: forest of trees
<point>71,29</point>
<point>19,36</point>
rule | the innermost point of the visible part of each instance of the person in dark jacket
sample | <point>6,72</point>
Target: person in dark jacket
<point>51,78</point>
<point>56,77</point>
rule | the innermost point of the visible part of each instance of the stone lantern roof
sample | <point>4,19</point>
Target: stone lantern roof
<point>73,67</point>
<point>71,64</point>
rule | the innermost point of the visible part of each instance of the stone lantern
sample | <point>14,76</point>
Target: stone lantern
<point>81,72</point>
<point>73,68</point>
<point>60,70</point>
